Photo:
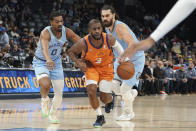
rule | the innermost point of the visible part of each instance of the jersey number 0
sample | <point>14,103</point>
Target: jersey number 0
<point>54,52</point>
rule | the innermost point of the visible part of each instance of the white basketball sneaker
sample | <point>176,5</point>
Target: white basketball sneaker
<point>125,117</point>
<point>53,117</point>
<point>45,106</point>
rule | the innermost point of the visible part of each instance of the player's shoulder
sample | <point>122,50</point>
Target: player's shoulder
<point>45,33</point>
<point>121,26</point>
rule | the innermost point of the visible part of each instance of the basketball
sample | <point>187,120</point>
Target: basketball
<point>126,70</point>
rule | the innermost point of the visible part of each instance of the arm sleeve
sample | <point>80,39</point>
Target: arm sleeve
<point>179,12</point>
<point>118,48</point>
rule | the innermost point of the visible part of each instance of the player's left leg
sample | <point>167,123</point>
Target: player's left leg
<point>43,78</point>
<point>57,79</point>
<point>128,94</point>
<point>58,86</point>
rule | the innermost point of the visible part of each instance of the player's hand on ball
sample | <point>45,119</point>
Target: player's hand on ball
<point>122,59</point>
<point>50,64</point>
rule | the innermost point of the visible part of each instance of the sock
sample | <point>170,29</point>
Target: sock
<point>98,110</point>
<point>45,99</point>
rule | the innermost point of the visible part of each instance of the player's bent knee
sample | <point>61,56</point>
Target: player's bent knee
<point>105,97</point>
<point>105,86</point>
<point>128,97</point>
<point>125,88</point>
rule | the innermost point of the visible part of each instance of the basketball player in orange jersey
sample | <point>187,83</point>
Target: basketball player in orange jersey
<point>181,10</point>
<point>96,51</point>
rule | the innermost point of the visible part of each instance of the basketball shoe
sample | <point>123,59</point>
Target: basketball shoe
<point>99,122</point>
<point>53,116</point>
<point>127,113</point>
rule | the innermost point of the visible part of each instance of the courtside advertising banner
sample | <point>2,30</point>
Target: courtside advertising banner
<point>24,81</point>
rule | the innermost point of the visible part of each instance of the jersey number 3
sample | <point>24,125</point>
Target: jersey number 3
<point>98,60</point>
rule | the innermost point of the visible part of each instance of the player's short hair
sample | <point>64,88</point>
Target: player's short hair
<point>109,7</point>
<point>54,14</point>
<point>93,21</point>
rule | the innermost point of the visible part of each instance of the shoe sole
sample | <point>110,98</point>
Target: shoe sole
<point>126,119</point>
<point>54,122</point>
<point>99,126</point>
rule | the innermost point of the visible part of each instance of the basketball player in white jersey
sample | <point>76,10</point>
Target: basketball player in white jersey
<point>48,64</point>
<point>181,10</point>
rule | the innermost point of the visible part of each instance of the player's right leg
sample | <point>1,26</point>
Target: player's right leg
<point>45,84</point>
<point>42,75</point>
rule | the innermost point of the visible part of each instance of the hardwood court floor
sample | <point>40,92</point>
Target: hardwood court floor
<point>153,113</point>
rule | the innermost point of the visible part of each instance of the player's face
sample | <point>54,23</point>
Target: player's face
<point>57,23</point>
<point>107,18</point>
<point>96,30</point>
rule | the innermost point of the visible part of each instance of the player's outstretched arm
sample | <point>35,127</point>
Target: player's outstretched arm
<point>142,45</point>
<point>179,12</point>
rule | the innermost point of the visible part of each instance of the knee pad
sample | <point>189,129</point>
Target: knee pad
<point>105,86</point>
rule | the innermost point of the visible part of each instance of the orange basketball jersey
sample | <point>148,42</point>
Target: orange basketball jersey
<point>98,56</point>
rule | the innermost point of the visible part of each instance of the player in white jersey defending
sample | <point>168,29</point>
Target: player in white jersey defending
<point>181,10</point>
<point>126,38</point>
<point>48,64</point>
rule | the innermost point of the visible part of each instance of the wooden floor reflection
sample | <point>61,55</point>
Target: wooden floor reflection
<point>153,113</point>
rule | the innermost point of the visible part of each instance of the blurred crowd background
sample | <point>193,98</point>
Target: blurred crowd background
<point>170,65</point>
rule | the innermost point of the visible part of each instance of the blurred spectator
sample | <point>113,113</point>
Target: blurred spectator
<point>191,75</point>
<point>4,38</point>
<point>14,33</point>
<point>28,60</point>
<point>181,80</point>
<point>176,48</point>
<point>158,74</point>
<point>148,78</point>
<point>169,78</point>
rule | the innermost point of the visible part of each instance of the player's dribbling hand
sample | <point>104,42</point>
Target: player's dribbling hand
<point>50,64</point>
<point>81,65</point>
<point>123,59</point>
